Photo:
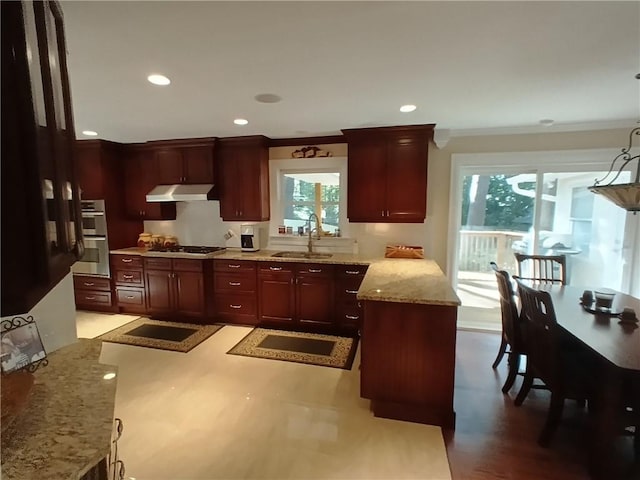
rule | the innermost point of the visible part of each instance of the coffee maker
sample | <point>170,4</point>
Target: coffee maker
<point>249,238</point>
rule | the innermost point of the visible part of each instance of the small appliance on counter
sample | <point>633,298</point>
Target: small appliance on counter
<point>249,238</point>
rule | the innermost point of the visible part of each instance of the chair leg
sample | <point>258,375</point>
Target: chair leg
<point>514,366</point>
<point>553,419</point>
<point>503,348</point>
<point>527,383</point>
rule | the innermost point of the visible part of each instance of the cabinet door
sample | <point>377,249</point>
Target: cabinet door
<point>189,293</point>
<point>140,179</point>
<point>276,294</point>
<point>230,184</point>
<point>89,171</point>
<point>159,291</point>
<point>253,170</point>
<point>198,165</point>
<point>407,179</point>
<point>169,164</point>
<point>314,299</point>
<point>366,186</point>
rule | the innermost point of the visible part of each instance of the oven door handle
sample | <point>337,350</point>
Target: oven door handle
<point>95,237</point>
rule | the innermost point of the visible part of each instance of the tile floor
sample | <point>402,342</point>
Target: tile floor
<point>208,415</point>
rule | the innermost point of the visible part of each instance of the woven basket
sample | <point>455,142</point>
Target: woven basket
<point>403,251</point>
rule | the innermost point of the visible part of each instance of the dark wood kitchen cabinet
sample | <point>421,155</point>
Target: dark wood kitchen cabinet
<point>387,173</point>
<point>93,293</point>
<point>42,235</point>
<point>348,310</point>
<point>235,291</point>
<point>189,161</point>
<point>175,287</point>
<point>243,164</point>
<point>296,296</point>
<point>128,278</point>
<point>140,177</point>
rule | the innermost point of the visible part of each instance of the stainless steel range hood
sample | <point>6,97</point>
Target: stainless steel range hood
<point>180,193</point>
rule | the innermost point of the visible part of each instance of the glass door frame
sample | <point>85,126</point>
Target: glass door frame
<point>537,163</point>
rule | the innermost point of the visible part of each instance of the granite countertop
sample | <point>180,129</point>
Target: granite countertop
<point>407,281</point>
<point>66,428</point>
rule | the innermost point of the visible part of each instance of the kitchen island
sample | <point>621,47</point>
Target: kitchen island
<point>408,341</point>
<point>64,433</point>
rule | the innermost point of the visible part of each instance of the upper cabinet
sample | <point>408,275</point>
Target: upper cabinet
<point>243,164</point>
<point>42,234</point>
<point>387,173</point>
<point>140,177</point>
<point>184,161</point>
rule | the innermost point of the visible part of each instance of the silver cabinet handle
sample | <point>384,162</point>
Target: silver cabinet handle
<point>352,272</point>
<point>89,298</point>
<point>234,284</point>
<point>236,306</point>
<point>129,296</point>
<point>89,284</point>
<point>126,260</point>
<point>234,266</point>
<point>352,317</point>
<point>351,291</point>
<point>127,277</point>
<point>275,269</point>
<point>311,270</point>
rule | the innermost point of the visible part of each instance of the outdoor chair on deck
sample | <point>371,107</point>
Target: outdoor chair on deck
<point>565,370</point>
<point>511,334</point>
<point>542,268</point>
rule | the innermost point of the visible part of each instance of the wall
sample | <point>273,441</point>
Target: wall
<point>55,316</point>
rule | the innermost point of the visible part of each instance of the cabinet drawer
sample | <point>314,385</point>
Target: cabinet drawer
<point>91,283</point>
<point>157,263</point>
<point>235,282</point>
<point>351,270</point>
<point>88,297</point>
<point>187,265</point>
<point>347,288</point>
<point>276,267</point>
<point>234,266</point>
<point>350,316</point>
<point>130,296</point>
<point>315,269</point>
<point>130,277</point>
<point>126,261</point>
<point>235,304</point>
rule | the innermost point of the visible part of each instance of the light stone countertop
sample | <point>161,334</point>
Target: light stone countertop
<point>402,280</point>
<point>66,427</point>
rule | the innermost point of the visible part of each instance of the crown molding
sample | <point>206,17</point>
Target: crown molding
<point>555,128</point>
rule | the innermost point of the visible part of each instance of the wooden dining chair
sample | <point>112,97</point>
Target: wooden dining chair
<point>511,334</point>
<point>542,268</point>
<point>565,369</point>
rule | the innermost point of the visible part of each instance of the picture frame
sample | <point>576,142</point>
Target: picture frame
<point>21,345</point>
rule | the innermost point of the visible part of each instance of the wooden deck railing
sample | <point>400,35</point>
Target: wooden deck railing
<point>479,247</point>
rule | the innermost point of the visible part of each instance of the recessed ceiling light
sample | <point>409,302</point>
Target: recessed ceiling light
<point>90,133</point>
<point>546,122</point>
<point>241,121</point>
<point>158,79</point>
<point>267,98</point>
<point>407,108</point>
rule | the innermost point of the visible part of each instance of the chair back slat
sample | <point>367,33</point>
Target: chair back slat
<point>542,268</point>
<point>509,309</point>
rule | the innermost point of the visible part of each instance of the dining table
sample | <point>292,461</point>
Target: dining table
<point>616,346</point>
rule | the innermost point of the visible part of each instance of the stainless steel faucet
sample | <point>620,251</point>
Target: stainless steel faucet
<point>317,230</point>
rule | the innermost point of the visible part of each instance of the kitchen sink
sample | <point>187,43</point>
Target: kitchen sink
<point>289,254</point>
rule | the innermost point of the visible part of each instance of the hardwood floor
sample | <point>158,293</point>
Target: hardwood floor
<point>496,440</point>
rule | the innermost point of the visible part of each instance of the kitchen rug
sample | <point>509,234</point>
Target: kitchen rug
<point>310,348</point>
<point>145,332</point>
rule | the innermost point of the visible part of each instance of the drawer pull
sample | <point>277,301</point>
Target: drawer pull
<point>234,266</point>
<point>127,277</point>
<point>352,292</point>
<point>315,270</point>
<point>89,298</point>
<point>89,284</point>
<point>127,260</point>
<point>275,269</point>
<point>234,284</point>
<point>352,317</point>
<point>236,306</point>
<point>352,272</point>
<point>130,297</point>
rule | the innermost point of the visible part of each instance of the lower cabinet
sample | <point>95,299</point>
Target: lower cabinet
<point>93,293</point>
<point>175,286</point>
<point>235,291</point>
<point>128,277</point>
<point>348,310</point>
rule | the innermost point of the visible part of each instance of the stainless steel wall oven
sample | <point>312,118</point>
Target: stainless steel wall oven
<point>95,260</point>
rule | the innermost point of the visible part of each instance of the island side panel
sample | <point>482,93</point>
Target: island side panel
<point>408,361</point>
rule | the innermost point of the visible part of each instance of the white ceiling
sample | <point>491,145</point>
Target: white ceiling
<point>470,67</point>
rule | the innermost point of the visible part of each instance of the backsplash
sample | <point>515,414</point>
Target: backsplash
<point>199,223</point>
